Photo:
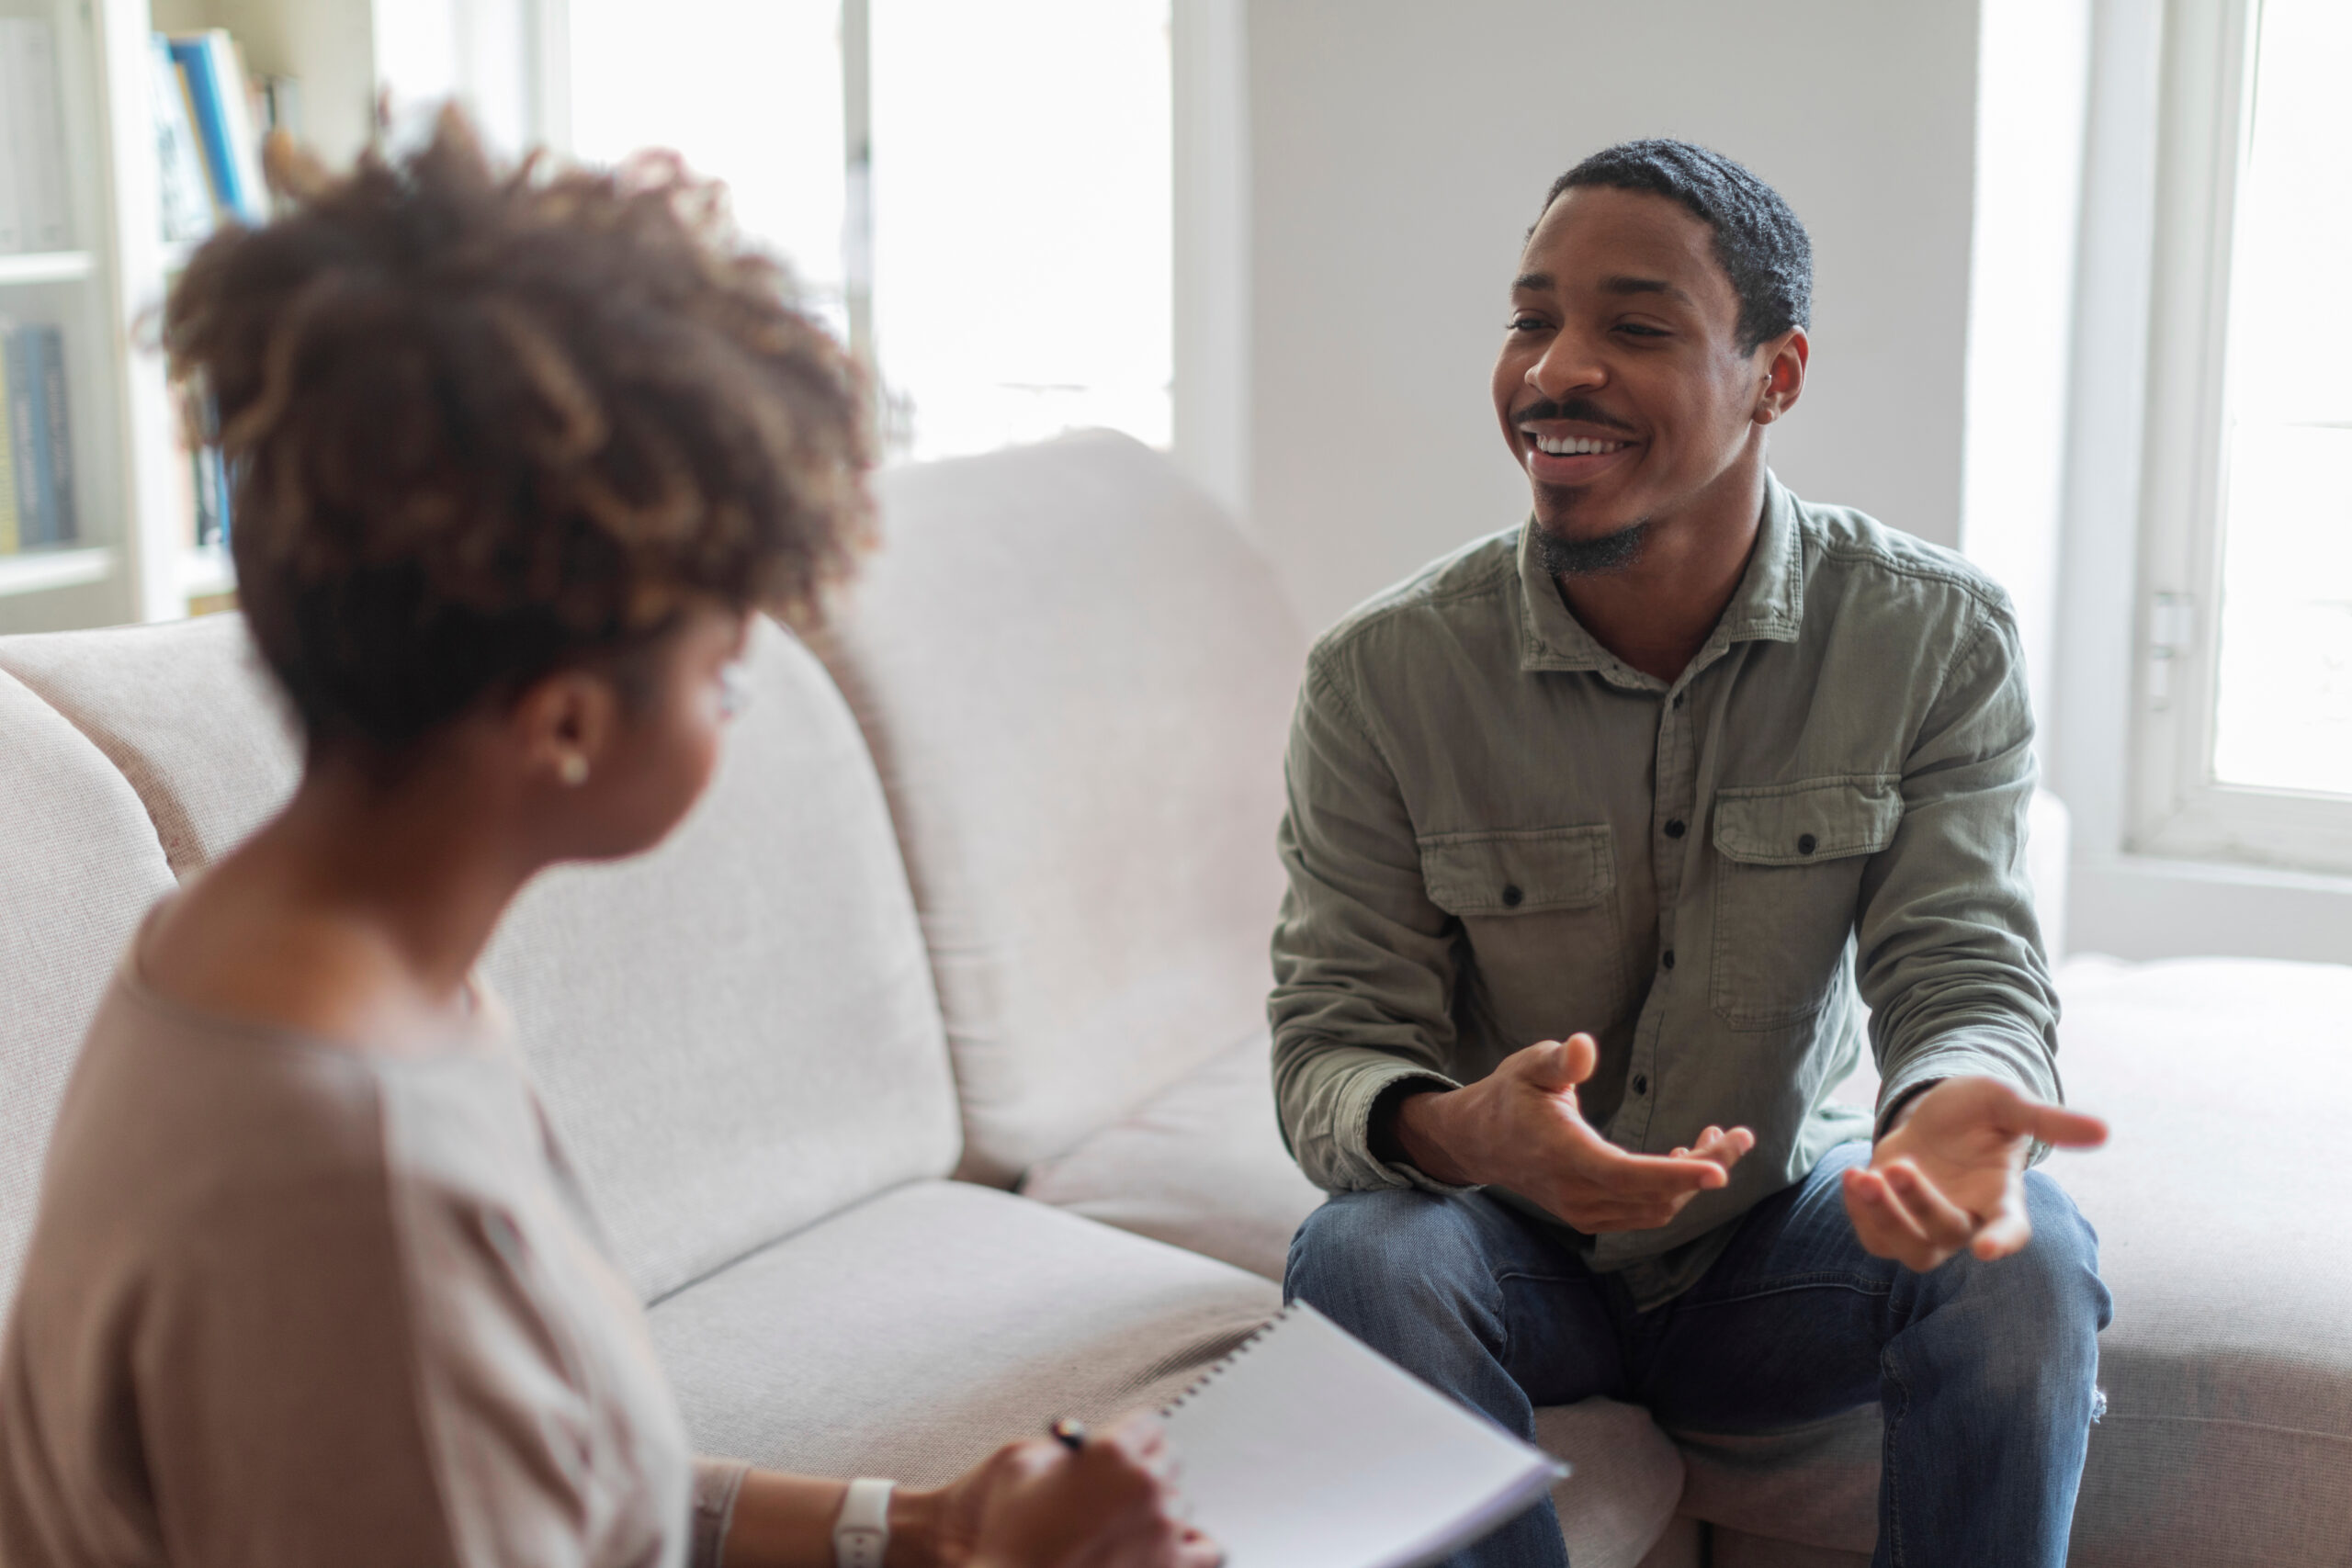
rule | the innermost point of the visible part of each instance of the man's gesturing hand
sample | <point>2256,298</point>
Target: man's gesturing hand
<point>1951,1173</point>
<point>1521,1128</point>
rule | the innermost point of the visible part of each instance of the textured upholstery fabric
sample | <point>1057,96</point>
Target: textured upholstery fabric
<point>1618,1497</point>
<point>2221,1204</point>
<point>911,1335</point>
<point>1201,1165</point>
<point>736,1034</point>
<point>1077,677</point>
<point>79,865</point>
<point>186,711</point>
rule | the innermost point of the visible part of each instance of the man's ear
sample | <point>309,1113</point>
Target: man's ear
<point>563,726</point>
<point>1781,377</point>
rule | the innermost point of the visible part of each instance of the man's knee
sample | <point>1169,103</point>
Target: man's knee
<point>2041,1307</point>
<point>1389,1263</point>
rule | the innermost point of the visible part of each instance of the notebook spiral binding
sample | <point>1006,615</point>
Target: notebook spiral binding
<point>1218,1369</point>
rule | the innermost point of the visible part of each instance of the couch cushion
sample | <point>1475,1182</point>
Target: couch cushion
<point>2220,1205</point>
<point>911,1335</point>
<point>1201,1165</point>
<point>736,1034</point>
<point>1076,676</point>
<point>79,865</point>
<point>1618,1498</point>
<point>186,711</point>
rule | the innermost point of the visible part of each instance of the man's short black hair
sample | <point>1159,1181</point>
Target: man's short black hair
<point>1762,247</point>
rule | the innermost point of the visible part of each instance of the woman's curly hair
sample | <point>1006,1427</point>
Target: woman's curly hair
<point>482,425</point>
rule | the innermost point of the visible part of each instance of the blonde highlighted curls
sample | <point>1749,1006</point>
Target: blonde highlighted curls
<point>484,423</point>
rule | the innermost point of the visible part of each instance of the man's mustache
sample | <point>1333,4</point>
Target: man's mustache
<point>1583,410</point>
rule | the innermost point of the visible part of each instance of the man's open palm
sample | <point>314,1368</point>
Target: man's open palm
<point>1521,1128</point>
<point>1952,1174</point>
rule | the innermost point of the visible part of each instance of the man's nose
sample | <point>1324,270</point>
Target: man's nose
<point>1568,365</point>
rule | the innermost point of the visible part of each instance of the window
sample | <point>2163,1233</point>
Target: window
<point>1006,255</point>
<point>2244,718</point>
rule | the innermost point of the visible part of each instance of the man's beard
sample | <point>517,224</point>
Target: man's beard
<point>1591,557</point>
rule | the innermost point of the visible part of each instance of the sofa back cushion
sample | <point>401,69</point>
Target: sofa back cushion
<point>735,1035</point>
<point>78,865</point>
<point>1077,677</point>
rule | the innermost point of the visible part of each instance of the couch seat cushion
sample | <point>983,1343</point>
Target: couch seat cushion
<point>1201,1165</point>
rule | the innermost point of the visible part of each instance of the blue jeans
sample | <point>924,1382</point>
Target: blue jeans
<point>1987,1373</point>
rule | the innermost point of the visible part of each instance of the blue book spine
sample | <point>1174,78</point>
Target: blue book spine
<point>211,125</point>
<point>29,422</point>
<point>64,523</point>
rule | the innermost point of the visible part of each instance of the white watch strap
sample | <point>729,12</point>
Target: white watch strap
<point>862,1530</point>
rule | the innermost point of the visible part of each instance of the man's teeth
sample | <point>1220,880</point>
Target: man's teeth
<point>1574,445</point>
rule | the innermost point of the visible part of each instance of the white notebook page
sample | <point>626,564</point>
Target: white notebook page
<point>1309,1449</point>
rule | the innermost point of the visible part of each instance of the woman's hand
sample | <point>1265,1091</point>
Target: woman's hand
<point>1040,1505</point>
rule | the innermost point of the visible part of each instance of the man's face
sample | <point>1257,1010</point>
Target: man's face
<point>1622,386</point>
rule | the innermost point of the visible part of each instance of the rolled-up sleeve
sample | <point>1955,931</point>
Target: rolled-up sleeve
<point>1363,962</point>
<point>1948,952</point>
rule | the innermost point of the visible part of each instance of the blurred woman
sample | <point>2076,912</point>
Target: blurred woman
<point>520,455</point>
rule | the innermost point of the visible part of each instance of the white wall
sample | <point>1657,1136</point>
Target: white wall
<point>1399,151</point>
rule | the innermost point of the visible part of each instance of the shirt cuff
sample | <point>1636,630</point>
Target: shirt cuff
<point>1954,1057</point>
<point>717,1483</point>
<point>1363,1099</point>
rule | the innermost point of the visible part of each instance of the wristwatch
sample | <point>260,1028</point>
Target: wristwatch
<point>862,1530</point>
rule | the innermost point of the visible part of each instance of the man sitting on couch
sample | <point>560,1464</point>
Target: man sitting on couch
<point>1675,764</point>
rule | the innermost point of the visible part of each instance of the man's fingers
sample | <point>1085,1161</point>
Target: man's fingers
<point>1941,1220</point>
<point>1659,1176</point>
<point>1886,1228</point>
<point>1562,1064</point>
<point>2065,1129</point>
<point>2006,1232</point>
<point>2021,1115</point>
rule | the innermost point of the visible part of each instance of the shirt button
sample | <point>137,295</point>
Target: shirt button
<point>1668,959</point>
<point>1674,829</point>
<point>1513,897</point>
<point>1806,845</point>
<point>1641,1083</point>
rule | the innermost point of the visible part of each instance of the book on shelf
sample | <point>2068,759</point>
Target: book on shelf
<point>39,460</point>
<point>34,209</point>
<point>187,187</point>
<point>222,112</point>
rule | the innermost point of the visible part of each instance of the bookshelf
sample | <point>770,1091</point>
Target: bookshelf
<point>131,555</point>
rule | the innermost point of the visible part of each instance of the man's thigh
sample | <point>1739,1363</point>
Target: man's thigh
<point>1789,1325</point>
<point>1430,1278</point>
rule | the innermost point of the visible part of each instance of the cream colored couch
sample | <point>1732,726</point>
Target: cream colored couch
<point>921,1080</point>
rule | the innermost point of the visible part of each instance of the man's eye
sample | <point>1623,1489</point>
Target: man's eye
<point>1635,329</point>
<point>1526,323</point>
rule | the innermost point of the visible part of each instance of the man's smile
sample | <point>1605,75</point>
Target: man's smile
<point>1561,452</point>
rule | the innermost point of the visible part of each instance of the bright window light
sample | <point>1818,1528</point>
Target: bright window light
<point>748,91</point>
<point>2284,719</point>
<point>1023,200</point>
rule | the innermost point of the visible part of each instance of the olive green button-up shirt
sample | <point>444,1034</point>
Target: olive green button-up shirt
<point>1498,833</point>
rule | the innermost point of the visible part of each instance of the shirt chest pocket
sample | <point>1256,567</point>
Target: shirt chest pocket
<point>1539,906</point>
<point>1789,861</point>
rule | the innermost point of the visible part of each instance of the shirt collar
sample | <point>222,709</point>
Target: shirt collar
<point>1768,606</point>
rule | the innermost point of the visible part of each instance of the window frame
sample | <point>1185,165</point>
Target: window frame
<point>2177,807</point>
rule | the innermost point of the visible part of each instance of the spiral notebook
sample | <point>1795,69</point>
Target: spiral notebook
<point>1305,1449</point>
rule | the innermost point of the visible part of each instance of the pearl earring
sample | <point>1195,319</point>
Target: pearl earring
<point>572,770</point>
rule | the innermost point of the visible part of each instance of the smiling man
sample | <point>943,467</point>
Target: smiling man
<point>1602,832</point>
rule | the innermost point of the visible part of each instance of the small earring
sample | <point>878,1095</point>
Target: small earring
<point>572,770</point>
